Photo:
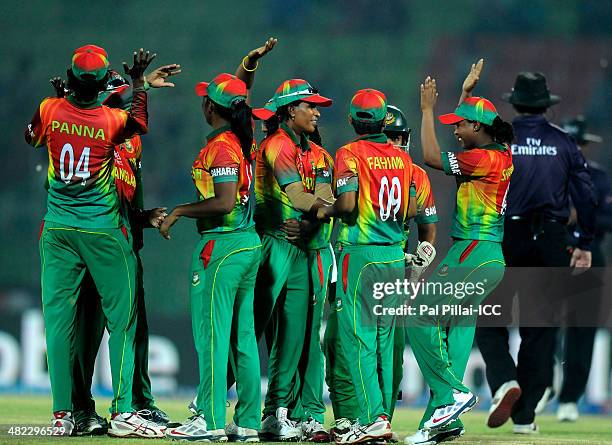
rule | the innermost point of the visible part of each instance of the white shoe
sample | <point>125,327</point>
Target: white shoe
<point>196,430</point>
<point>341,426</point>
<point>280,428</point>
<point>380,429</point>
<point>464,402</point>
<point>503,402</point>
<point>314,431</point>
<point>132,425</point>
<point>549,394</point>
<point>433,437</point>
<point>62,423</point>
<point>237,433</point>
<point>530,428</point>
<point>567,412</point>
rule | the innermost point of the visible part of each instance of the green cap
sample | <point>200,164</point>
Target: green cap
<point>368,105</point>
<point>473,108</point>
<point>224,90</point>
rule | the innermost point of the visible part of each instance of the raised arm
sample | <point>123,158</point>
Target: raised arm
<point>429,142</point>
<point>248,65</point>
<point>138,117</point>
<point>471,80</point>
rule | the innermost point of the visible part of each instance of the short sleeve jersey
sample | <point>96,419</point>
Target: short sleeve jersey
<point>483,176</point>
<point>382,176</point>
<point>222,160</point>
<point>426,206</point>
<point>324,165</point>
<point>81,143</point>
<point>282,159</point>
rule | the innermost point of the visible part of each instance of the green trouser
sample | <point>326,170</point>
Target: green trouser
<point>223,272</point>
<point>282,300</point>
<point>66,254</point>
<point>308,401</point>
<point>441,343</point>
<point>89,331</point>
<point>399,345</point>
<point>337,373</point>
<point>365,333</point>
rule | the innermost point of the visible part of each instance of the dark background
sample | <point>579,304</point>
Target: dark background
<point>338,46</point>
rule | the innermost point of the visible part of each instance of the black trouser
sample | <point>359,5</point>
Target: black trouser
<point>577,353</point>
<point>527,243</point>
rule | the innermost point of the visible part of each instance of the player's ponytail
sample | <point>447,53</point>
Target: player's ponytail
<point>500,131</point>
<point>240,118</point>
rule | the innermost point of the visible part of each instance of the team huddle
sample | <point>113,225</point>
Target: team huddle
<point>264,267</point>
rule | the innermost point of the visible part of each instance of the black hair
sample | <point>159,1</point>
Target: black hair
<point>315,136</point>
<point>281,115</point>
<point>240,118</point>
<point>368,127</point>
<point>529,110</point>
<point>499,130</point>
<point>85,90</point>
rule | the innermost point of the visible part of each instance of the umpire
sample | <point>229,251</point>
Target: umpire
<point>548,168</point>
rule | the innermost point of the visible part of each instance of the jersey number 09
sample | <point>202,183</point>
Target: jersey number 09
<point>67,165</point>
<point>392,195</point>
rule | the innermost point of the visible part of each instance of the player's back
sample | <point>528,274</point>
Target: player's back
<point>384,176</point>
<point>80,143</point>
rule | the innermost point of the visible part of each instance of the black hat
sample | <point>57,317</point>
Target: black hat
<point>530,90</point>
<point>577,128</point>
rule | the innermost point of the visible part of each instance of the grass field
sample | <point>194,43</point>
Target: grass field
<point>591,430</point>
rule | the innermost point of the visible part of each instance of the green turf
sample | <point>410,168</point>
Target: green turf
<point>589,430</point>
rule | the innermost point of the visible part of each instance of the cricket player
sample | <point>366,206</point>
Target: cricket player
<point>442,343</point>
<point>286,187</point>
<point>374,200</point>
<point>127,172</point>
<point>221,304</point>
<point>83,230</point>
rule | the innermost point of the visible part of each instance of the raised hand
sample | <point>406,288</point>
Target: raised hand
<point>429,94</point>
<point>157,78</point>
<point>59,85</point>
<point>142,59</point>
<point>473,76</point>
<point>258,53</point>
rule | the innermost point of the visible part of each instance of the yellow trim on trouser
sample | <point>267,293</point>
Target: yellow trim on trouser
<point>355,323</point>
<point>212,330</point>
<point>130,311</point>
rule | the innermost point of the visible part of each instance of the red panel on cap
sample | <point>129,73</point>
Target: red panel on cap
<point>450,119</point>
<point>91,48</point>
<point>200,88</point>
<point>262,113</point>
<point>318,99</point>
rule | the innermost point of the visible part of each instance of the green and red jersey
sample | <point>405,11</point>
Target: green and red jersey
<point>81,144</point>
<point>324,164</point>
<point>282,159</point>
<point>426,206</point>
<point>126,171</point>
<point>382,176</point>
<point>483,176</point>
<point>222,160</point>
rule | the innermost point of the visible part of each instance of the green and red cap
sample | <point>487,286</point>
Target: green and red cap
<point>89,61</point>
<point>368,105</point>
<point>224,90</point>
<point>473,108</point>
<point>292,90</point>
